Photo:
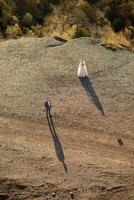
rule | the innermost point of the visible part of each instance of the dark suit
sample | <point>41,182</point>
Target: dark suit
<point>47,105</point>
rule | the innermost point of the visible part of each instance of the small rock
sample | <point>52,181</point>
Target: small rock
<point>45,193</point>
<point>10,161</point>
<point>120,141</point>
<point>42,185</point>
<point>60,39</point>
<point>53,194</point>
<point>72,195</point>
<point>20,186</point>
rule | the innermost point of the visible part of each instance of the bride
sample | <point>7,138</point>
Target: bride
<point>82,69</point>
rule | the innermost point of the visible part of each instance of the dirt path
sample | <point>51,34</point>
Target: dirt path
<point>97,166</point>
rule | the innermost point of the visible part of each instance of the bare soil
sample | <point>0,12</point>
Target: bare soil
<point>76,154</point>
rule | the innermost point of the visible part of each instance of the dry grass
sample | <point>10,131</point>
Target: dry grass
<point>116,40</point>
<point>13,31</point>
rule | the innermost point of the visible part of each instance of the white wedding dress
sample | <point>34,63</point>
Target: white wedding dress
<point>82,69</point>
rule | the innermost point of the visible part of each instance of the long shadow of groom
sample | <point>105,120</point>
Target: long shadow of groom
<point>58,147</point>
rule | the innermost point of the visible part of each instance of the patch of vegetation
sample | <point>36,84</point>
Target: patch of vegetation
<point>19,17</point>
<point>24,13</point>
<point>121,14</point>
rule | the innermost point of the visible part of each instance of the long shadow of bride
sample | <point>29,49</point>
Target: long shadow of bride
<point>87,85</point>
<point>58,147</point>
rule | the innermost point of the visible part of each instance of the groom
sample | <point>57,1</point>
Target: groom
<point>47,105</point>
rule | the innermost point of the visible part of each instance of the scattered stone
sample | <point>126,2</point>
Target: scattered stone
<point>42,185</point>
<point>53,194</point>
<point>45,193</point>
<point>20,186</point>
<point>75,189</point>
<point>117,188</point>
<point>60,39</point>
<point>10,161</point>
<point>120,141</point>
<point>72,195</point>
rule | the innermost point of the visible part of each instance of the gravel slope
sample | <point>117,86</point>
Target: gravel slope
<point>33,69</point>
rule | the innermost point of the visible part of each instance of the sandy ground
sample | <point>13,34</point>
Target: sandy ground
<point>73,164</point>
<point>77,154</point>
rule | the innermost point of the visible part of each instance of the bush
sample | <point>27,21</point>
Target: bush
<point>38,31</point>
<point>27,20</point>
<point>80,32</point>
<point>120,13</point>
<point>13,20</point>
<point>118,24</point>
<point>76,31</point>
<point>13,31</point>
<point>85,10</point>
<point>54,1</point>
<point>45,6</point>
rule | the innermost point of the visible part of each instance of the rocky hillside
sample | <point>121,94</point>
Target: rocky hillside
<point>86,150</point>
<point>33,69</point>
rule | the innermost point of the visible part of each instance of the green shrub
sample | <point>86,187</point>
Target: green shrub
<point>27,20</point>
<point>118,24</point>
<point>120,13</point>
<point>14,20</point>
<point>85,10</point>
<point>45,6</point>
